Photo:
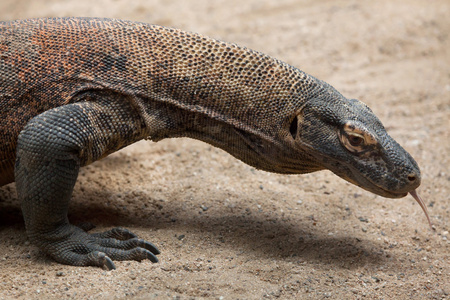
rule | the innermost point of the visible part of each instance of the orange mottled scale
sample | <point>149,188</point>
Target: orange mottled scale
<point>45,63</point>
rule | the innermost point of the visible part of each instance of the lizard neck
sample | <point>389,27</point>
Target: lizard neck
<point>272,153</point>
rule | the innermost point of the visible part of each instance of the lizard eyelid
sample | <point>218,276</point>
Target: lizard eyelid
<point>356,139</point>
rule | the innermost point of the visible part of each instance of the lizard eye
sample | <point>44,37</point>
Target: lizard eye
<point>357,139</point>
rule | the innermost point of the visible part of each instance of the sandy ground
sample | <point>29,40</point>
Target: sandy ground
<point>228,231</point>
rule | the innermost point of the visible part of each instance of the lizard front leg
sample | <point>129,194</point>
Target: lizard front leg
<point>51,149</point>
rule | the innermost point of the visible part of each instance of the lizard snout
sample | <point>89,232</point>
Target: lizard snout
<point>411,182</point>
<point>414,179</point>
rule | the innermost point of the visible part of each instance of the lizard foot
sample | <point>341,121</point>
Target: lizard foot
<point>80,248</point>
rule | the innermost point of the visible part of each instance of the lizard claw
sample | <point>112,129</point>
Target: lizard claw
<point>108,264</point>
<point>79,248</point>
<point>100,259</point>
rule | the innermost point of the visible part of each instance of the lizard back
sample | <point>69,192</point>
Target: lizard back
<point>45,63</point>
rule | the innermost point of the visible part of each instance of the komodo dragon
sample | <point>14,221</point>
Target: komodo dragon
<point>74,90</point>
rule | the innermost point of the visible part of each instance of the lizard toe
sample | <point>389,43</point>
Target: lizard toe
<point>93,258</point>
<point>117,233</point>
<point>130,244</point>
<point>136,254</point>
<point>79,248</point>
<point>122,244</point>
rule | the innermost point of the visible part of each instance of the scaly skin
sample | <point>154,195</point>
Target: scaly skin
<point>74,90</point>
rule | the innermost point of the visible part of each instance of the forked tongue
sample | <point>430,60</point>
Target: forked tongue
<point>422,204</point>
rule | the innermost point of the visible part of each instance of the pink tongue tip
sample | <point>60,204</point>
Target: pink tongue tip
<point>422,204</point>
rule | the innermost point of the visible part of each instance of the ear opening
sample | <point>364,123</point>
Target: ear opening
<point>293,128</point>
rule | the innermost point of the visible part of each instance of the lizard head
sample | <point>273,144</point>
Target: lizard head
<point>344,136</point>
<point>347,138</point>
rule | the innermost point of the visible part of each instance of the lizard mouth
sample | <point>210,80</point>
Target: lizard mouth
<point>365,183</point>
<point>379,190</point>
<point>394,194</point>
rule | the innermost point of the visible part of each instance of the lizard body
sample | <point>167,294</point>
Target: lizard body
<point>73,90</point>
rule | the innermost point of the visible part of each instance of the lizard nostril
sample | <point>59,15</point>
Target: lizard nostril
<point>412,177</point>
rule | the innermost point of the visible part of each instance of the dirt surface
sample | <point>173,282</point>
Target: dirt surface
<point>228,231</point>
